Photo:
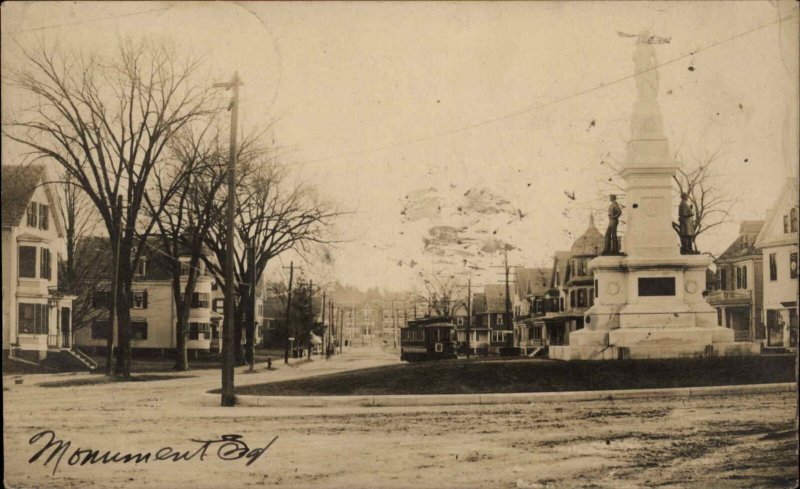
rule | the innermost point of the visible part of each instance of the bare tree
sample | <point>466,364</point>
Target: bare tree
<point>441,292</point>
<point>184,226</point>
<point>78,273</point>
<point>107,120</point>
<point>273,215</point>
<point>701,182</point>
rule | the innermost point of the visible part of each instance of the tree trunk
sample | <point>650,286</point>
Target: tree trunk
<point>238,318</point>
<point>124,324</point>
<point>249,330</point>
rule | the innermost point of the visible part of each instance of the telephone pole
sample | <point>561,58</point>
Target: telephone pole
<point>228,391</point>
<point>325,328</point>
<point>288,314</point>
<point>112,319</point>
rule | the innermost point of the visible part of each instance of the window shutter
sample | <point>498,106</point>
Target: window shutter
<point>144,299</point>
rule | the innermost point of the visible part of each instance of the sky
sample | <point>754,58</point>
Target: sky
<point>484,118</point>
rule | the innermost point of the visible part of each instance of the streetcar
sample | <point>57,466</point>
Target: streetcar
<point>428,339</point>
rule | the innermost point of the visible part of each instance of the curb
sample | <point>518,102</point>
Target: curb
<point>506,398</point>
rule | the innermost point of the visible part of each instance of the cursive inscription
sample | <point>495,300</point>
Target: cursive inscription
<point>227,447</point>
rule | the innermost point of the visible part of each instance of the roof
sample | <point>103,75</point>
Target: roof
<point>532,281</point>
<point>560,260</point>
<point>478,303</point>
<point>745,243</point>
<point>19,183</point>
<point>772,233</point>
<point>495,297</point>
<point>590,243</point>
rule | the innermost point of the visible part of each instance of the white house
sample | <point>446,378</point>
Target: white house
<point>778,244</point>
<point>37,318</point>
<point>153,308</point>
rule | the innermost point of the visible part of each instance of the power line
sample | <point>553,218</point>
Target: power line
<point>546,104</point>
<point>56,26</point>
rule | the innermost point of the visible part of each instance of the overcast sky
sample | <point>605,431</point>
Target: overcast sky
<point>377,102</point>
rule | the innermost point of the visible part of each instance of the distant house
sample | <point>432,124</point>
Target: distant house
<point>533,285</point>
<point>778,243</point>
<point>491,317</point>
<point>479,331</point>
<point>37,318</point>
<point>572,288</point>
<point>739,285</point>
<point>153,309</point>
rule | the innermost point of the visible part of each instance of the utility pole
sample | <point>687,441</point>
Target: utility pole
<point>394,326</point>
<point>469,314</point>
<point>508,291</point>
<point>311,305</point>
<point>325,328</point>
<point>250,354</point>
<point>228,391</point>
<point>112,313</point>
<point>288,314</point>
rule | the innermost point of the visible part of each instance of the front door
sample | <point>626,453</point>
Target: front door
<point>774,328</point>
<point>66,328</point>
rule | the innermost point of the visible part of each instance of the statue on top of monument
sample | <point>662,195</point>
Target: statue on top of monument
<point>644,59</point>
<point>612,242</point>
<point>686,225</point>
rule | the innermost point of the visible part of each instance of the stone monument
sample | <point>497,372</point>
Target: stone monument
<point>649,301</point>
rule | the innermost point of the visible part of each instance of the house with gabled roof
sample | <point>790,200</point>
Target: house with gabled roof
<point>37,318</point>
<point>533,285</point>
<point>778,243</point>
<point>739,283</point>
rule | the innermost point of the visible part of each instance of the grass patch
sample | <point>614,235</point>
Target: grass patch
<point>98,379</point>
<point>531,375</point>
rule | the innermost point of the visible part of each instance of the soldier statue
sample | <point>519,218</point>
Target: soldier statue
<point>686,226</point>
<point>612,242</point>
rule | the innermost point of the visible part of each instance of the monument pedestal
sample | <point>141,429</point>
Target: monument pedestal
<point>650,308</point>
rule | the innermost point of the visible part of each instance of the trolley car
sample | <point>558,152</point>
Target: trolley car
<point>428,339</point>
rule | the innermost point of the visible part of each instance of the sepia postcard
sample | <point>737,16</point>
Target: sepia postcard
<point>424,245</point>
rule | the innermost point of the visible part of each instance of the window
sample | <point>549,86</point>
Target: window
<point>591,297</point>
<point>581,297</point>
<point>571,298</point>
<point>139,299</point>
<point>773,267</point>
<point>44,263</point>
<point>184,268</point>
<point>201,300</point>
<point>793,218</point>
<point>27,261</point>
<point>459,321</point>
<point>744,277</point>
<point>561,304</point>
<point>196,328</point>
<point>596,288</point>
<point>33,319</point>
<point>43,217</point>
<point>499,319</point>
<point>793,265</point>
<point>32,215</point>
<point>738,278</point>
<point>219,305</point>
<point>138,330</point>
<point>141,267</point>
<point>100,329</point>
<point>724,279</point>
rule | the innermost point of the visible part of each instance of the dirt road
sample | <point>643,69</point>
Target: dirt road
<point>735,441</point>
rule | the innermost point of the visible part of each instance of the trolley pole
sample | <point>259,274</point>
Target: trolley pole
<point>288,314</point>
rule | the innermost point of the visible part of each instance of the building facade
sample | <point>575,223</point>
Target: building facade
<point>778,243</point>
<point>739,286</point>
<point>154,319</point>
<point>37,318</point>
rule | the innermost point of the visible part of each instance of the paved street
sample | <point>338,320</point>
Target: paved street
<point>736,441</point>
